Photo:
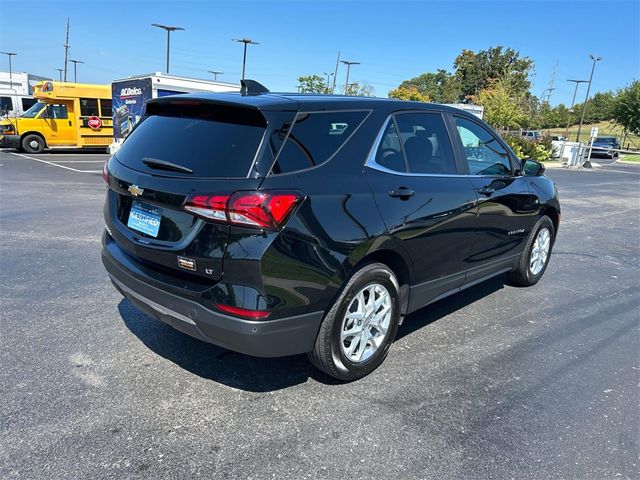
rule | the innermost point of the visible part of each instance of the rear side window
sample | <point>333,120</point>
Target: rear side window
<point>88,107</point>
<point>315,138</point>
<point>105,107</point>
<point>211,141</point>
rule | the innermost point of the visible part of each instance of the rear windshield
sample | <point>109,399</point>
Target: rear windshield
<point>209,141</point>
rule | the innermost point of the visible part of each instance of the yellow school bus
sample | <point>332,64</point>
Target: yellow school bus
<point>67,115</point>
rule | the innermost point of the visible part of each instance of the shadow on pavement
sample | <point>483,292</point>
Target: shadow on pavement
<point>267,374</point>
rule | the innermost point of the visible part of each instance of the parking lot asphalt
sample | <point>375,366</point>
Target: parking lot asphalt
<point>494,382</point>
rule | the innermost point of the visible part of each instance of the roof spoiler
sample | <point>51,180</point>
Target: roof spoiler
<point>251,87</point>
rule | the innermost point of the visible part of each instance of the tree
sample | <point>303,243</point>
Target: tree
<point>313,84</point>
<point>626,108</point>
<point>439,87</point>
<point>502,108</point>
<point>475,70</point>
<point>360,89</point>
<point>409,93</point>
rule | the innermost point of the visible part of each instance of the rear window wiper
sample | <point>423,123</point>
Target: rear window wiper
<point>163,165</point>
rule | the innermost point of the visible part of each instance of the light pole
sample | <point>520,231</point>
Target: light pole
<point>215,74</point>
<point>348,64</point>
<point>573,102</point>
<point>75,69</point>
<point>329,75</point>
<point>168,29</point>
<point>60,70</point>
<point>586,98</point>
<point>246,41</point>
<point>10,54</point>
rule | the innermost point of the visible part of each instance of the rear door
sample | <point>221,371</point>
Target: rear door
<point>506,206</point>
<point>180,149</point>
<point>425,204</point>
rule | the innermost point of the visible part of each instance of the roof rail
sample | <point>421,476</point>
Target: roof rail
<point>251,87</point>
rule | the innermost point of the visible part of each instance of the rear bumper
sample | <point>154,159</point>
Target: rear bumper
<point>10,141</point>
<point>261,338</point>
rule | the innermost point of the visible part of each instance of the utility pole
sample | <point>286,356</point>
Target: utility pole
<point>328,80</point>
<point>215,74</point>
<point>586,98</point>
<point>573,102</point>
<point>168,29</point>
<point>75,69</point>
<point>66,52</point>
<point>335,74</point>
<point>10,54</point>
<point>60,70</point>
<point>348,64</point>
<point>246,41</point>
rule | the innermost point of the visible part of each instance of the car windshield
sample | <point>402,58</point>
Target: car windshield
<point>34,110</point>
<point>605,139</point>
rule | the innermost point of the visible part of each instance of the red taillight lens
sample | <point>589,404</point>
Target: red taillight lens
<point>243,312</point>
<point>105,172</point>
<point>254,209</point>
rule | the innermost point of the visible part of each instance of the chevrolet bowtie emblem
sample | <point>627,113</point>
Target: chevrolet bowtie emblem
<point>135,190</point>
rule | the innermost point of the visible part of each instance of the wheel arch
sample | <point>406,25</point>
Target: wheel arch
<point>553,213</point>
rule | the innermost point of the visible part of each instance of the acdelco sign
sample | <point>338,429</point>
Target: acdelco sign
<point>130,92</point>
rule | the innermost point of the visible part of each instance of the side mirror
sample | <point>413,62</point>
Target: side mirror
<point>531,168</point>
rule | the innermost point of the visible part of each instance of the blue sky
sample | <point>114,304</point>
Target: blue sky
<point>394,41</point>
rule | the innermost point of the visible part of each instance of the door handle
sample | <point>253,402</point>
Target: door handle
<point>486,190</point>
<point>70,123</point>
<point>402,192</point>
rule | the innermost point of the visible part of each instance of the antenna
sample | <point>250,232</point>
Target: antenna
<point>66,52</point>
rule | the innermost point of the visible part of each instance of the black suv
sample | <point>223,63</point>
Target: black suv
<point>279,224</point>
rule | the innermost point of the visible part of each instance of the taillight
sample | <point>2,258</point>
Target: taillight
<point>105,172</point>
<point>253,209</point>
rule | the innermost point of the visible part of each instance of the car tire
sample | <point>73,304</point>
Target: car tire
<point>336,351</point>
<point>534,260</point>
<point>33,144</point>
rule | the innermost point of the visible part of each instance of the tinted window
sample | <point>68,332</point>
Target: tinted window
<point>57,112</point>
<point>314,138</point>
<point>211,148</point>
<point>426,143</point>
<point>485,155</point>
<point>5,104</point>
<point>88,107</point>
<point>389,154</point>
<point>27,103</point>
<point>34,110</point>
<point>105,107</point>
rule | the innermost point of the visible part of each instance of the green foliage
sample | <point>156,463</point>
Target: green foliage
<point>313,84</point>
<point>626,108</point>
<point>439,87</point>
<point>501,106</point>
<point>360,89</point>
<point>539,150</point>
<point>409,93</point>
<point>474,71</point>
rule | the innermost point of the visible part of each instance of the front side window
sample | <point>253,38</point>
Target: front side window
<point>34,110</point>
<point>88,107</point>
<point>426,143</point>
<point>484,154</point>
<point>315,138</point>
<point>56,112</point>
<point>5,104</point>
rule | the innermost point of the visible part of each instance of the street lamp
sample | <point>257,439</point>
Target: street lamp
<point>329,75</point>
<point>348,64</point>
<point>215,74</point>
<point>168,29</point>
<point>586,98</point>
<point>573,101</point>
<point>75,69</point>
<point>60,70</point>
<point>10,54</point>
<point>246,41</point>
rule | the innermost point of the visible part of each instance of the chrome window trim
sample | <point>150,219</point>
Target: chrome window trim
<point>371,158</point>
